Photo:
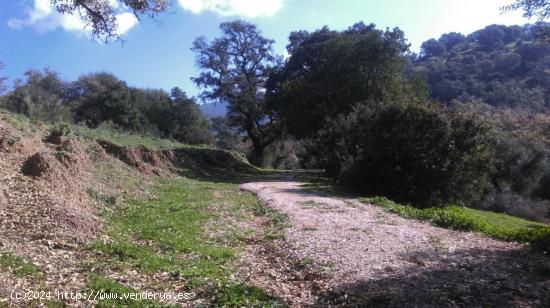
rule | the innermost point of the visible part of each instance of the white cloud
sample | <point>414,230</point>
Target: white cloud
<point>245,8</point>
<point>125,21</point>
<point>43,17</point>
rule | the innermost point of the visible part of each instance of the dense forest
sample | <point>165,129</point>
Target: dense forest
<point>499,65</point>
<point>465,121</point>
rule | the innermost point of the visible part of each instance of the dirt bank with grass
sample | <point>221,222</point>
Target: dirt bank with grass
<point>79,213</point>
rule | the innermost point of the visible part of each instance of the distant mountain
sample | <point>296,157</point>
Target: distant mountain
<point>500,65</point>
<point>211,110</point>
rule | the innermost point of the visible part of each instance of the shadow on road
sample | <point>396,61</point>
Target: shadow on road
<point>476,277</point>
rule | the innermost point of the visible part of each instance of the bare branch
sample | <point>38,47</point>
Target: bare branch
<point>100,16</point>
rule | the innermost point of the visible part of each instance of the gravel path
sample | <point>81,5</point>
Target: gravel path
<point>376,258</point>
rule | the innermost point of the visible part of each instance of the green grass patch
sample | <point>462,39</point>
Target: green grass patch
<point>173,233</point>
<point>172,226</point>
<point>103,200</point>
<point>496,225</point>
<point>14,119</point>
<point>277,221</point>
<point>19,266</point>
<point>232,296</point>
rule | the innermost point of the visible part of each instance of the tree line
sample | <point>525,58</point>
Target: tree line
<point>101,99</point>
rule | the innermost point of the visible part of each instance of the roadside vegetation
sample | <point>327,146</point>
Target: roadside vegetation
<point>18,265</point>
<point>497,225</point>
<point>127,138</point>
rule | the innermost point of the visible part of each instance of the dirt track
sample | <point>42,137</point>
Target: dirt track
<point>376,258</point>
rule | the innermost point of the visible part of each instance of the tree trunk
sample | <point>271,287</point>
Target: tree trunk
<point>257,156</point>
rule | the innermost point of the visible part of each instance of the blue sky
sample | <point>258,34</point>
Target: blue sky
<point>156,52</point>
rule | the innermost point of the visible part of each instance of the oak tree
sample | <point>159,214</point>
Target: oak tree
<point>234,70</point>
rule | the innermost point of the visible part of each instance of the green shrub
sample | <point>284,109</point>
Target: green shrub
<point>61,129</point>
<point>450,217</point>
<point>418,155</point>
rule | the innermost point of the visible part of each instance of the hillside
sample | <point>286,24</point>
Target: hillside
<point>504,66</point>
<point>62,192</point>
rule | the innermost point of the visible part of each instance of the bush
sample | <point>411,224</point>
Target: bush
<point>283,154</point>
<point>58,131</point>
<point>40,97</point>
<point>101,99</point>
<point>421,156</point>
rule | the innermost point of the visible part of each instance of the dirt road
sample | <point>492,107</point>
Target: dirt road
<point>376,258</point>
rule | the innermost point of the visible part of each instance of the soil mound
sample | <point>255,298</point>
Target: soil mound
<point>12,141</point>
<point>196,160</point>
<point>68,157</point>
<point>208,159</point>
<point>39,164</point>
<point>141,158</point>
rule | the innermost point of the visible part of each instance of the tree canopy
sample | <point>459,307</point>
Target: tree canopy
<point>39,96</point>
<point>102,99</point>
<point>330,72</point>
<point>539,9</point>
<point>500,65</point>
<point>234,69</point>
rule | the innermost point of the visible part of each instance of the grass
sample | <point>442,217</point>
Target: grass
<point>19,266</point>
<point>16,120</point>
<point>277,221</point>
<point>173,223</point>
<point>255,297</point>
<point>496,225</point>
<point>126,138</point>
<point>172,233</point>
<point>102,199</point>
